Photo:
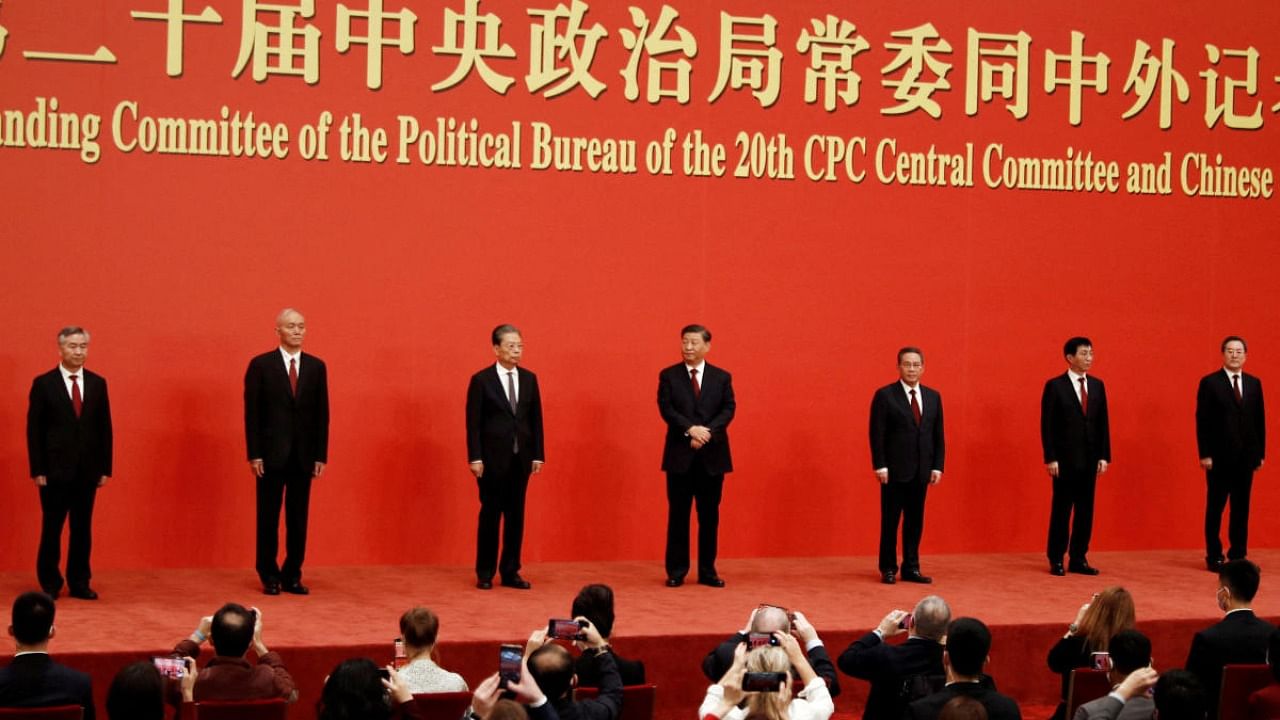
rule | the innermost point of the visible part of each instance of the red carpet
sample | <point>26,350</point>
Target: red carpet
<point>355,610</point>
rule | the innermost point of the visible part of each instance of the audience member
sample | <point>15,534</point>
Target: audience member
<point>767,619</point>
<point>900,673</point>
<point>961,707</point>
<point>1130,651</point>
<point>595,603</point>
<point>138,691</point>
<point>488,703</point>
<point>725,700</point>
<point>228,675</point>
<point>966,652</point>
<point>1240,637</point>
<point>551,667</point>
<point>33,679</point>
<point>1265,703</point>
<point>358,689</point>
<point>1180,696</point>
<point>1098,620</point>
<point>418,628</point>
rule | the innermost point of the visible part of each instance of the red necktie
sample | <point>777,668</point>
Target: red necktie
<point>915,406</point>
<point>293,376</point>
<point>77,403</point>
<point>1084,398</point>
<point>1235,385</point>
<point>697,389</point>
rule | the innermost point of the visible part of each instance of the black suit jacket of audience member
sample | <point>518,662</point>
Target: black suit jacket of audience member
<point>910,451</point>
<point>1234,435</point>
<point>35,680</point>
<point>887,667</point>
<point>713,408</point>
<point>604,706</point>
<point>587,667</point>
<point>492,429</point>
<point>1072,439</point>
<point>999,707</point>
<point>61,446</point>
<point>276,424</point>
<point>717,662</point>
<point>1240,637</point>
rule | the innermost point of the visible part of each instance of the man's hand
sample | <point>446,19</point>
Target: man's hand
<point>103,480</point>
<point>1138,682</point>
<point>40,480</point>
<point>487,694</point>
<point>399,688</point>
<point>1206,463</point>
<point>319,469</point>
<point>205,627</point>
<point>476,468</point>
<point>696,444</point>
<point>891,623</point>
<point>1052,468</point>
<point>537,467</point>
<point>700,433</point>
<point>1102,466</point>
<point>526,690</point>
<point>537,639</point>
<point>187,684</point>
<point>935,477</point>
<point>257,466</point>
<point>593,635</point>
<point>802,629</point>
<point>883,476</point>
<point>258,646</point>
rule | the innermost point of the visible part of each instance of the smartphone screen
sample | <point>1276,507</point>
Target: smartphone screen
<point>564,629</point>
<point>509,661</point>
<point>755,640</point>
<point>170,667</point>
<point>1102,661</point>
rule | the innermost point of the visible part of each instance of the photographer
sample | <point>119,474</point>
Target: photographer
<point>905,672</point>
<point>595,602</point>
<point>138,691</point>
<point>488,701</point>
<point>723,699</point>
<point>551,667</point>
<point>228,675</point>
<point>765,620</point>
<point>359,689</point>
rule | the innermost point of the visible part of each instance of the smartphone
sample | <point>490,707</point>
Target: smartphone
<point>907,622</point>
<point>510,658</point>
<point>763,681</point>
<point>399,657</point>
<point>755,640</point>
<point>1102,661</point>
<point>566,629</point>
<point>170,667</point>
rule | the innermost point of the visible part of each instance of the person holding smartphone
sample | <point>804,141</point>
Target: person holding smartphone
<point>551,666</point>
<point>730,700</point>
<point>1097,621</point>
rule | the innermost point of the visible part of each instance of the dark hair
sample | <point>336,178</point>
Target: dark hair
<point>232,630</point>
<point>508,710</point>
<point>419,627</point>
<point>1241,577</point>
<point>136,693</point>
<point>354,691</point>
<point>503,329</point>
<point>968,643</point>
<point>963,707</point>
<point>1074,344</point>
<point>1130,650</point>
<point>32,617</point>
<point>1234,338</point>
<point>595,603</point>
<point>1273,654</point>
<point>552,668</point>
<point>705,333</point>
<point>1179,696</point>
<point>910,349</point>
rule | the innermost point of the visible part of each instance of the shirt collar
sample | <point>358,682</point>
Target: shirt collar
<point>502,372</point>
<point>287,357</point>
<point>701,367</point>
<point>32,652</point>
<point>907,388</point>
<point>1224,369</point>
<point>1075,377</point>
<point>66,374</point>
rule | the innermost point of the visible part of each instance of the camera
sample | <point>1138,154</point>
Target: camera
<point>763,681</point>
<point>566,629</point>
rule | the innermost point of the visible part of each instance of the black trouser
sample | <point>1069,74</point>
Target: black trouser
<point>501,502</point>
<point>1234,483</point>
<point>1072,490</point>
<point>682,490</point>
<point>292,485</point>
<point>60,499</point>
<point>901,500</point>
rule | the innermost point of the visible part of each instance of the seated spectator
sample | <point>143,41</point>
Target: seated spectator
<point>767,619</point>
<point>1098,620</point>
<point>358,689</point>
<point>963,708</point>
<point>551,667</point>
<point>595,603</point>
<point>1136,684</point>
<point>138,691</point>
<point>1130,651</point>
<point>724,700</point>
<point>228,675</point>
<point>965,654</point>
<point>418,627</point>
<point>1265,703</point>
<point>1241,637</point>
<point>488,703</point>
<point>905,672</point>
<point>1179,696</point>
<point>33,679</point>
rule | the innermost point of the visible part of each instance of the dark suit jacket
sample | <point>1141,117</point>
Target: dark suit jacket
<point>35,680</point>
<point>60,445</point>
<point>713,409</point>
<point>604,706</point>
<point>999,707</point>
<point>1240,637</point>
<point>1069,437</point>
<point>492,428</point>
<point>589,672</point>
<point>1234,435</point>
<point>276,424</point>
<point>887,667</point>
<point>910,451</point>
<point>234,678</point>
<point>717,662</point>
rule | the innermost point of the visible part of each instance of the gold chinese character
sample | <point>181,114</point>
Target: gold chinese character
<point>742,64</point>
<point>653,42</point>
<point>1148,72</point>
<point>1006,75</point>
<point>831,48</point>
<point>101,55</point>
<point>1075,79</point>
<point>376,17</point>
<point>546,45</point>
<point>279,57</point>
<point>462,33</point>
<point>175,18</point>
<point>4,35</point>
<point>1226,110</point>
<point>911,92</point>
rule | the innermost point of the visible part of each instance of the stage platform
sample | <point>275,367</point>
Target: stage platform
<point>355,610</point>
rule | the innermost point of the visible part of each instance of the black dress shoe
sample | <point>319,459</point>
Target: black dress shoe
<point>84,593</point>
<point>888,577</point>
<point>485,583</point>
<point>1214,565</point>
<point>297,588</point>
<point>271,588</point>
<point>675,581</point>
<point>52,592</point>
<point>1082,568</point>
<point>517,582</point>
<point>711,581</point>
<point>1056,569</point>
<point>915,577</point>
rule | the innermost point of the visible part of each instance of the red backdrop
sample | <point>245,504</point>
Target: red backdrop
<point>178,265</point>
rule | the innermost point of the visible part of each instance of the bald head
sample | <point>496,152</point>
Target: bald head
<point>291,326</point>
<point>769,619</point>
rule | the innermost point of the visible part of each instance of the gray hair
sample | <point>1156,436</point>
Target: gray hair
<point>932,615</point>
<point>70,330</point>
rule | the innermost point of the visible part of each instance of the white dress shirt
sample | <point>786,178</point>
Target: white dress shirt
<point>1075,382</point>
<point>1235,373</point>
<point>66,379</point>
<point>502,377</point>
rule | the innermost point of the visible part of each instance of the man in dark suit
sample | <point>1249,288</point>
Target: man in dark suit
<point>907,453</point>
<point>696,401</point>
<point>551,667</point>
<point>1076,438</point>
<point>33,679</point>
<point>766,620</point>
<point>504,446</point>
<point>904,672</point>
<point>1231,433</point>
<point>286,426</point>
<point>69,449</point>
<point>1239,638</point>
<point>968,643</point>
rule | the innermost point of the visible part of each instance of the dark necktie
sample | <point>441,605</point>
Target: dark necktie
<point>77,403</point>
<point>511,398</point>
<point>1084,398</point>
<point>693,378</point>
<point>293,376</point>
<point>1235,385</point>
<point>915,405</point>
